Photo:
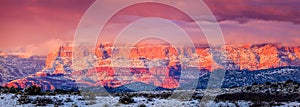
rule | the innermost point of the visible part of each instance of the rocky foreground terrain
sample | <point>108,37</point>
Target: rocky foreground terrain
<point>268,94</point>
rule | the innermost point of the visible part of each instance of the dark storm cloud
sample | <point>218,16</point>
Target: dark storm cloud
<point>247,10</point>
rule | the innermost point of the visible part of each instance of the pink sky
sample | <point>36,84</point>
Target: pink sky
<point>37,26</point>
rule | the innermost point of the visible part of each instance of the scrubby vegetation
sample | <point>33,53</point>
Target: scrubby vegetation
<point>35,90</point>
<point>267,94</point>
<point>41,99</point>
<point>258,94</point>
<point>126,100</point>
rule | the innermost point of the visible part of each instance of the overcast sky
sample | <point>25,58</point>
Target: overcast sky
<point>37,26</point>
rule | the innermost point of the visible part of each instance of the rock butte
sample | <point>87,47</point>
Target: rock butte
<point>161,65</point>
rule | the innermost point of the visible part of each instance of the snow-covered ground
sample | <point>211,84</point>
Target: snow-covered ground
<point>10,100</point>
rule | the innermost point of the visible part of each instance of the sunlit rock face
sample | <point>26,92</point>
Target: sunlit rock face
<point>263,56</point>
<point>162,64</point>
<point>250,57</point>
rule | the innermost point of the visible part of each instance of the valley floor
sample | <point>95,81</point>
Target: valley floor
<point>269,94</point>
<point>10,100</point>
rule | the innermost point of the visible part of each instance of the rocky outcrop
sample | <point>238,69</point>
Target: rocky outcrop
<point>263,56</point>
<point>250,57</point>
<point>161,65</point>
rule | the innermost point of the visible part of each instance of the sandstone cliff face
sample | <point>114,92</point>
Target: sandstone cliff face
<point>263,56</point>
<point>157,60</point>
<point>161,65</point>
<point>59,61</point>
<point>250,57</point>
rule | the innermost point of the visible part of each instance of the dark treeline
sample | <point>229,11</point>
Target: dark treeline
<point>35,90</point>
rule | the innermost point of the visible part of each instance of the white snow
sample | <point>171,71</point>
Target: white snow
<point>7,100</point>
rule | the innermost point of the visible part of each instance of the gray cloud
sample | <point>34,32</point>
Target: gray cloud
<point>245,10</point>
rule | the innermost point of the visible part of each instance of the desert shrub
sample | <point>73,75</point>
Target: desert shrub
<point>150,99</point>
<point>80,98</point>
<point>73,91</point>
<point>297,99</point>
<point>42,101</point>
<point>289,81</point>
<point>4,89</point>
<point>273,103</point>
<point>248,88</point>
<point>268,83</point>
<point>33,90</point>
<point>24,99</point>
<point>69,100</point>
<point>90,102</point>
<point>10,90</point>
<point>126,100</point>
<point>258,104</point>
<point>57,104</point>
<point>142,105</point>
<point>274,86</point>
